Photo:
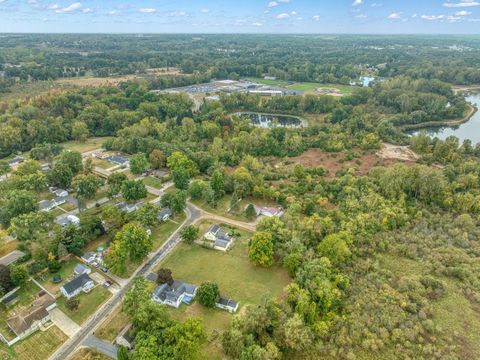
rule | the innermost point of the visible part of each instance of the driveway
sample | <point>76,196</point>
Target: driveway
<point>101,346</point>
<point>67,325</point>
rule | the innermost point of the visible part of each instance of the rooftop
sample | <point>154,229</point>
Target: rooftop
<point>77,283</point>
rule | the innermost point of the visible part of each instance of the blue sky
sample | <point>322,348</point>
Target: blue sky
<point>241,16</point>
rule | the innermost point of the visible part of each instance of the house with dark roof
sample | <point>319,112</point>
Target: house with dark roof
<point>129,208</point>
<point>173,295</point>
<point>29,320</point>
<point>81,283</point>
<point>123,161</point>
<point>47,205</point>
<point>11,257</point>
<point>268,211</point>
<point>227,304</point>
<point>164,214</point>
<point>218,238</point>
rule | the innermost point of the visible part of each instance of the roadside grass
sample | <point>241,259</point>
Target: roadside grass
<point>153,182</point>
<point>89,303</point>
<point>38,346</point>
<point>89,354</point>
<point>112,326</point>
<point>26,295</point>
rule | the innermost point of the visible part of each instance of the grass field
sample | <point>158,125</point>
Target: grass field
<point>236,276</point>
<point>38,346</point>
<point>91,144</point>
<point>270,82</point>
<point>153,182</point>
<point>89,354</point>
<point>89,303</point>
<point>304,86</point>
<point>112,326</point>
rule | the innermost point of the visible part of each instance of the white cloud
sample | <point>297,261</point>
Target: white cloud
<point>361,16</point>
<point>463,13</point>
<point>357,2</point>
<point>257,24</point>
<point>414,16</point>
<point>376,5</point>
<point>205,11</point>
<point>68,9</point>
<point>53,6</point>
<point>113,13</point>
<point>272,4</point>
<point>299,18</point>
<point>284,1</point>
<point>177,14</point>
<point>395,15</point>
<point>87,10</point>
<point>432,17</point>
<point>316,17</point>
<point>283,16</point>
<point>463,3</point>
<point>31,2</point>
<point>147,10</point>
<point>293,13</point>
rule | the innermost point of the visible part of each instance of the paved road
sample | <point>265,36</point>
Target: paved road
<point>101,346</point>
<point>69,347</point>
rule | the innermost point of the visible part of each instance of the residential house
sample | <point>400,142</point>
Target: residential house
<point>175,294</point>
<point>269,211</point>
<point>219,239</point>
<point>81,269</point>
<point>17,160</point>
<point>125,338</point>
<point>48,205</point>
<point>10,298</point>
<point>165,214</point>
<point>30,320</point>
<point>81,283</point>
<point>227,304</point>
<point>129,208</point>
<point>11,257</point>
<point>120,160</point>
<point>68,220</point>
<point>89,257</point>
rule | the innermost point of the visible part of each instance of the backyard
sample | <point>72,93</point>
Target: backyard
<point>89,303</point>
<point>66,273</point>
<point>235,275</point>
<point>38,346</point>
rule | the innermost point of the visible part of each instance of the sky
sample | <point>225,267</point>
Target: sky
<point>241,16</point>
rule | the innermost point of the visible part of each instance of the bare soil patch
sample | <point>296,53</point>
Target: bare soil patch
<point>396,152</point>
<point>334,162</point>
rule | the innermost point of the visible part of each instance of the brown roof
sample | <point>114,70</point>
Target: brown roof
<point>27,317</point>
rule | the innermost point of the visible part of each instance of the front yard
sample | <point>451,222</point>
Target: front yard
<point>112,326</point>
<point>89,303</point>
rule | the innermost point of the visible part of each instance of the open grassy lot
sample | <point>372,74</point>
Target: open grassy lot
<point>112,326</point>
<point>270,82</point>
<point>153,182</point>
<point>309,86</point>
<point>91,144</point>
<point>232,271</point>
<point>26,295</point>
<point>89,303</point>
<point>38,346</point>
<point>102,163</point>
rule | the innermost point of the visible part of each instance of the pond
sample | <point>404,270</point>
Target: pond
<point>272,120</point>
<point>469,130</point>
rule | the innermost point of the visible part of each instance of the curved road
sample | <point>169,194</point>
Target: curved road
<point>69,347</point>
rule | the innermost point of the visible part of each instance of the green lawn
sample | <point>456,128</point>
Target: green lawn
<point>26,295</point>
<point>65,272</point>
<point>91,144</point>
<point>38,346</point>
<point>236,276</point>
<point>89,303</point>
<point>270,82</point>
<point>153,182</point>
<point>112,326</point>
<point>102,163</point>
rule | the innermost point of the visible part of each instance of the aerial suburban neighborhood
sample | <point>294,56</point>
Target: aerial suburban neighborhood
<point>255,180</point>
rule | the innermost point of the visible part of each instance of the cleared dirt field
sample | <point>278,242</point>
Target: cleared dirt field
<point>334,162</point>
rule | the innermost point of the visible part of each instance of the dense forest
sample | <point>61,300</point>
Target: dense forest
<point>318,58</point>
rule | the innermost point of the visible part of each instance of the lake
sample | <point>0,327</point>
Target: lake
<point>272,120</point>
<point>469,130</point>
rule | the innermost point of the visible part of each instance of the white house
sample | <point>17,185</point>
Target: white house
<point>219,239</point>
<point>29,320</point>
<point>173,295</point>
<point>89,257</point>
<point>68,220</point>
<point>164,215</point>
<point>81,269</point>
<point>227,304</point>
<point>81,283</point>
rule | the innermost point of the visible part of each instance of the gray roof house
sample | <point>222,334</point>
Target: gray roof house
<point>220,240</point>
<point>77,285</point>
<point>227,304</point>
<point>129,208</point>
<point>81,269</point>
<point>175,294</point>
<point>88,257</point>
<point>121,160</point>
<point>164,214</point>
<point>47,205</point>
<point>68,220</point>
